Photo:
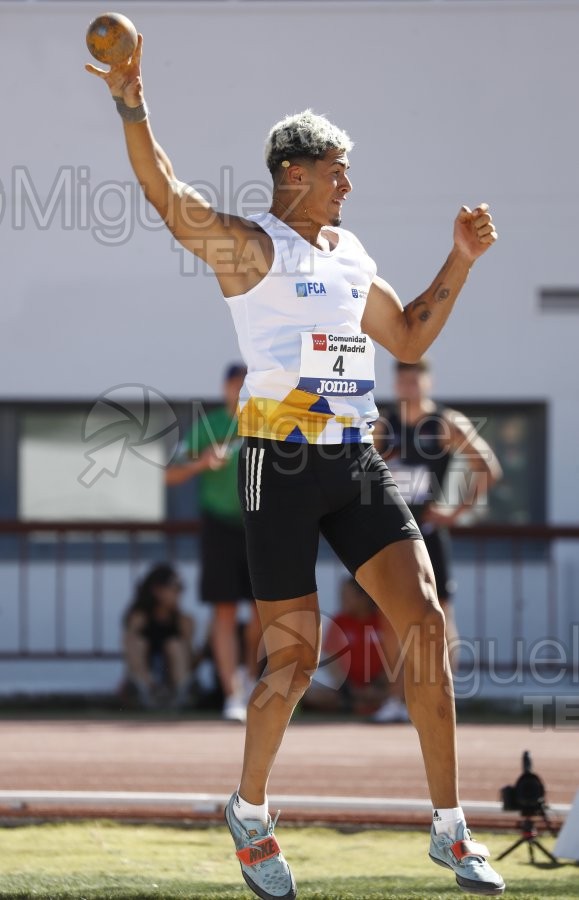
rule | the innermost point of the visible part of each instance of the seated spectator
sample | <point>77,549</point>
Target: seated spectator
<point>352,676</point>
<point>158,637</point>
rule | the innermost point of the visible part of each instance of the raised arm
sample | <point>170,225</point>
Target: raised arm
<point>225,242</point>
<point>408,331</point>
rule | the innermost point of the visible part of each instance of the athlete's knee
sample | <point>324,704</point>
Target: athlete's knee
<point>304,662</point>
<point>425,617</point>
<point>433,621</point>
<point>431,633</point>
<point>302,678</point>
<point>425,645</point>
<point>289,672</point>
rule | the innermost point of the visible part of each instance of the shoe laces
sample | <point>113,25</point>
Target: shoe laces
<point>259,837</point>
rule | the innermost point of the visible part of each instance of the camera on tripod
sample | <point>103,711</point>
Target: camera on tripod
<point>527,795</point>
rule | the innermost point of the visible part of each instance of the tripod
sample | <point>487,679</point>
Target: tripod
<point>529,837</point>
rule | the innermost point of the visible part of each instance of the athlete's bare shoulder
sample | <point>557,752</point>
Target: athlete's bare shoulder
<point>242,254</point>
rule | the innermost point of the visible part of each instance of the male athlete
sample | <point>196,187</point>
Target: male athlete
<point>307,303</point>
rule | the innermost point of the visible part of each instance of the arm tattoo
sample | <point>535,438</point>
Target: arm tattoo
<point>416,304</point>
<point>441,292</point>
<point>416,307</point>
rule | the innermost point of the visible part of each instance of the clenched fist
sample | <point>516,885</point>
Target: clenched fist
<point>474,231</point>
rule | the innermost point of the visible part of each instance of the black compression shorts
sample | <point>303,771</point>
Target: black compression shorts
<point>438,546</point>
<point>290,493</point>
<point>224,572</point>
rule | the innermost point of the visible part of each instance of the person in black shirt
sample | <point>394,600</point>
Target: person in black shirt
<point>420,439</point>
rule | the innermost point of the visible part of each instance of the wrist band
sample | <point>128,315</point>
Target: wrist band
<point>131,113</point>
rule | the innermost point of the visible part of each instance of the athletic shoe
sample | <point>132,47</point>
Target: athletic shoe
<point>234,709</point>
<point>393,710</point>
<point>263,865</point>
<point>467,860</point>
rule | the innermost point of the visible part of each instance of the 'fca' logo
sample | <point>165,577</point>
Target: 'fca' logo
<point>320,341</point>
<point>305,288</point>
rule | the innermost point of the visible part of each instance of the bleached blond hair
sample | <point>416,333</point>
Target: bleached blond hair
<point>304,134</point>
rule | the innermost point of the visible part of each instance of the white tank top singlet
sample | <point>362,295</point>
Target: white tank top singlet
<point>310,370</point>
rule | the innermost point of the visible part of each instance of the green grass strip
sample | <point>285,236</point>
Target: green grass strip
<point>110,861</point>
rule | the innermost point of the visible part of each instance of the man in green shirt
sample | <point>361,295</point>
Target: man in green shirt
<point>210,453</point>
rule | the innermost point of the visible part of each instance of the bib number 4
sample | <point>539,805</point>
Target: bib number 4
<point>334,364</point>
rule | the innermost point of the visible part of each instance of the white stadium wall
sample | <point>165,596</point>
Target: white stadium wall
<point>448,102</point>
